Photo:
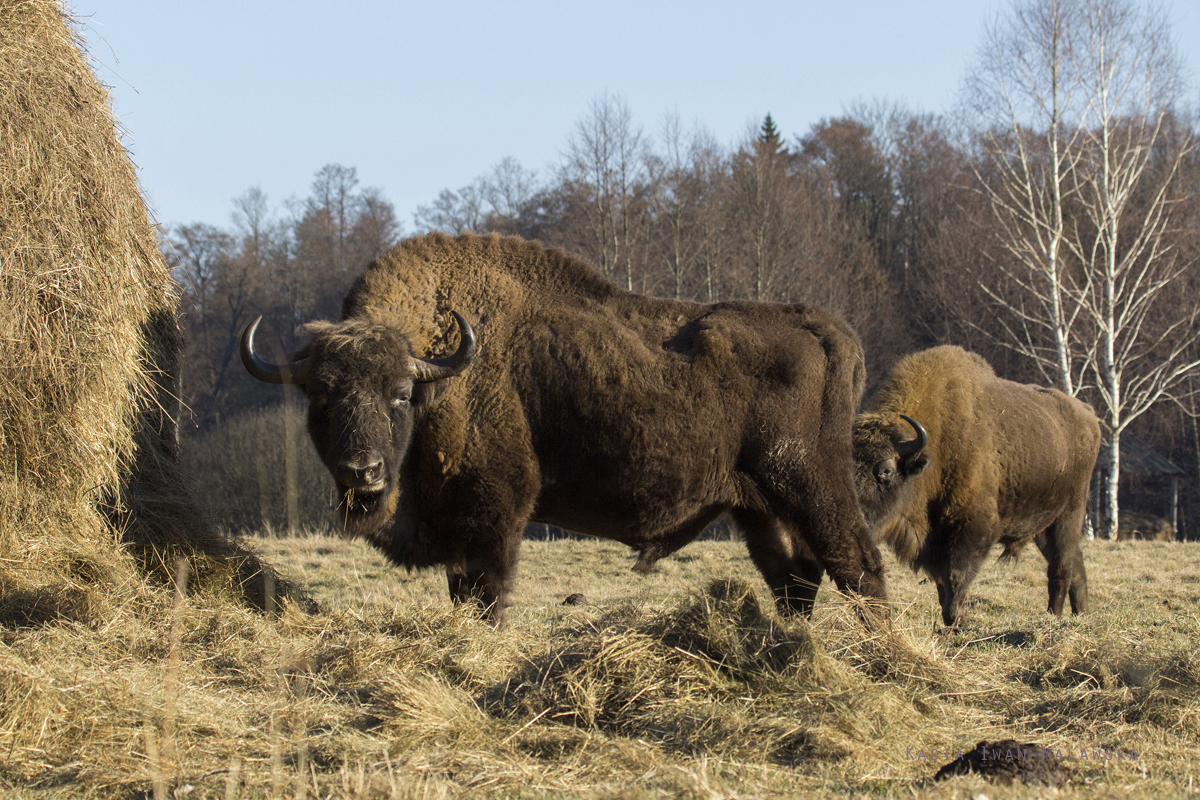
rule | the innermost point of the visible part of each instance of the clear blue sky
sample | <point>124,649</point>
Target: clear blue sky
<point>219,96</point>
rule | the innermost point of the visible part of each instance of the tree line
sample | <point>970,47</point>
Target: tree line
<point>1050,223</point>
<point>290,268</point>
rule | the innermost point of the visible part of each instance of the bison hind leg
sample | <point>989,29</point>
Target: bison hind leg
<point>1069,579</point>
<point>647,562</point>
<point>1078,591</point>
<point>785,561</point>
<point>1066,578</point>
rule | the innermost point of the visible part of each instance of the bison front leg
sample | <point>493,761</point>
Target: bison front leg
<point>484,517</point>
<point>486,583</point>
<point>820,503</point>
<point>952,596</point>
<point>958,573</point>
<point>481,588</point>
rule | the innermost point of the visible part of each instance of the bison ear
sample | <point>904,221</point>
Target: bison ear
<point>914,465</point>
<point>427,395</point>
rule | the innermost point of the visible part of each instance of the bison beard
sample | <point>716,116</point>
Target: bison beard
<point>1000,462</point>
<point>625,417</point>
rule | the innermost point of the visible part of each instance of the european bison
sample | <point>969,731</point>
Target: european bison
<point>583,406</point>
<point>995,461</point>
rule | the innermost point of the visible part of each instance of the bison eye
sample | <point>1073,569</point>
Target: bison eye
<point>400,400</point>
<point>885,471</point>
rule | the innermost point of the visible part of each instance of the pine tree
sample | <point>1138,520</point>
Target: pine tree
<point>769,138</point>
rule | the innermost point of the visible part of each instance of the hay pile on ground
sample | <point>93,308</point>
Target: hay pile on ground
<point>88,349</point>
<point>680,684</point>
<point>239,704</point>
<point>716,676</point>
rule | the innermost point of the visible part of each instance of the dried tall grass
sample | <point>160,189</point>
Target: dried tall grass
<point>677,685</point>
<point>259,470</point>
<point>88,349</point>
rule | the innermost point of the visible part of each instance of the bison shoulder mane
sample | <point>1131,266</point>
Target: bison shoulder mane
<point>416,284</point>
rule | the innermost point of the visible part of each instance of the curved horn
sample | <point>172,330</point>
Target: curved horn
<point>293,371</point>
<point>912,446</point>
<point>425,370</point>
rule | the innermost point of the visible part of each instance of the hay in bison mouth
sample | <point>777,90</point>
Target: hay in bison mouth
<point>364,500</point>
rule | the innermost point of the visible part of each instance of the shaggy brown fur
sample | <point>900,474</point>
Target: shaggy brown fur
<point>599,411</point>
<point>1006,462</point>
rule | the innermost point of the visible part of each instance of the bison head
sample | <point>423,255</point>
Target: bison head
<point>885,458</point>
<point>366,391</point>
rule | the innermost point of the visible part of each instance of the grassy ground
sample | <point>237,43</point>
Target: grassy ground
<point>682,683</point>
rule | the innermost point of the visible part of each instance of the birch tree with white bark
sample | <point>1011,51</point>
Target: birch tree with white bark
<point>1026,93</point>
<point>606,157</point>
<point>1081,169</point>
<point>1131,77</point>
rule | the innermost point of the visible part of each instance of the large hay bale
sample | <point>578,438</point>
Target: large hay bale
<point>88,344</point>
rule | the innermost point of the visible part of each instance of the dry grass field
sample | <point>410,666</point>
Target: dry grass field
<point>681,684</point>
<point>137,660</point>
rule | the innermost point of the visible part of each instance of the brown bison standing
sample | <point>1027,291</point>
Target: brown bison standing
<point>995,461</point>
<point>583,406</point>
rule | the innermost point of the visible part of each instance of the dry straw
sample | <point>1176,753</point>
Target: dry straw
<point>88,348</point>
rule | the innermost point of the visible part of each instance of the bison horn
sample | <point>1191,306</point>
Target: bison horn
<point>913,446</point>
<point>425,370</point>
<point>293,370</point>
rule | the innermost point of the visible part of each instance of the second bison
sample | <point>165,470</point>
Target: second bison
<point>987,461</point>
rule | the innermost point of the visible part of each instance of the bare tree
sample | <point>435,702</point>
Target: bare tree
<point>331,211</point>
<point>1027,92</point>
<point>492,202</point>
<point>252,219</point>
<point>376,229</point>
<point>710,172</point>
<point>606,162</point>
<point>196,256</point>
<point>508,189</point>
<point>454,212</point>
<point>861,177</point>
<point>1083,185</point>
<point>218,284</point>
<point>762,197</point>
<point>335,233</point>
<point>1131,77</point>
<point>679,190</point>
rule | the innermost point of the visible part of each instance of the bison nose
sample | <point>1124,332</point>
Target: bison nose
<point>359,472</point>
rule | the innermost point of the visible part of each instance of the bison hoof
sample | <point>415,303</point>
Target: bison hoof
<point>576,599</point>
